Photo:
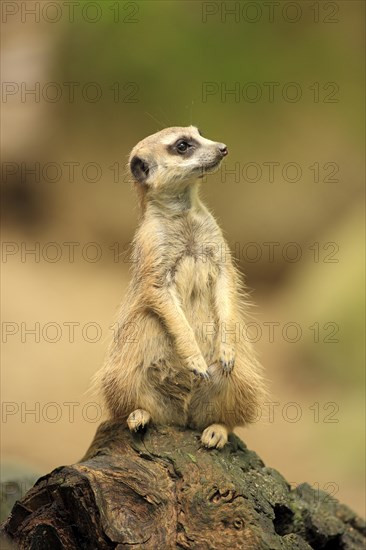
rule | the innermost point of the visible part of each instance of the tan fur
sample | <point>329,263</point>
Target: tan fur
<point>181,356</point>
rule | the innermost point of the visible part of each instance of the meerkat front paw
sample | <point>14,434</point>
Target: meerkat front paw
<point>227,357</point>
<point>214,436</point>
<point>198,366</point>
<point>138,419</point>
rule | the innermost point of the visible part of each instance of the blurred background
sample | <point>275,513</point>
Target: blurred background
<point>282,84</point>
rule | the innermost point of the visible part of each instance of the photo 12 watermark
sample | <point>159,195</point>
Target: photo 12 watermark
<point>71,11</point>
<point>270,92</point>
<point>92,252</point>
<point>71,92</point>
<point>247,11</point>
<point>51,412</point>
<point>248,172</point>
<point>91,332</point>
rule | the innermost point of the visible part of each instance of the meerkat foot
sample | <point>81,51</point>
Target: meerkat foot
<point>198,366</point>
<point>214,436</point>
<point>138,419</point>
<point>227,357</point>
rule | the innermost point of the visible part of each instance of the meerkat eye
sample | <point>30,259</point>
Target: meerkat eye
<point>182,146</point>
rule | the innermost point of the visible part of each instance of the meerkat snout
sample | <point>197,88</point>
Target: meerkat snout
<point>223,149</point>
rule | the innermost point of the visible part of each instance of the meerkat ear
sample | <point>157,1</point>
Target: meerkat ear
<point>139,169</point>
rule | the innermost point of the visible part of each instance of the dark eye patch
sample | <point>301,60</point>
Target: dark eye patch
<point>182,146</point>
<point>191,142</point>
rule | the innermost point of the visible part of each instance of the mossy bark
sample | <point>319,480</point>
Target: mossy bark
<point>161,490</point>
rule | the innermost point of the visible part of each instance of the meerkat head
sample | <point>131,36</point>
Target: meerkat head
<point>173,157</point>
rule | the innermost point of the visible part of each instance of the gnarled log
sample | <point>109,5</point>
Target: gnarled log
<point>162,490</point>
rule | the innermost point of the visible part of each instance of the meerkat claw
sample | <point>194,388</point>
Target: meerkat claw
<point>227,365</point>
<point>197,365</point>
<point>214,436</point>
<point>205,375</point>
<point>138,420</point>
<point>227,358</point>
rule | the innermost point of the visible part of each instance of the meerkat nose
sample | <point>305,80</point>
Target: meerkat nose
<point>223,149</point>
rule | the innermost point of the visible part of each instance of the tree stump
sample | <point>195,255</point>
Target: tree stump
<point>162,490</point>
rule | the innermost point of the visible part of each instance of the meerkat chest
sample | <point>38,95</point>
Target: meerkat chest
<point>197,246</point>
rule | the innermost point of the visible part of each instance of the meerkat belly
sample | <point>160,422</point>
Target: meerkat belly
<point>195,281</point>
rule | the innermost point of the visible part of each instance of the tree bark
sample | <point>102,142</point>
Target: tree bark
<point>162,490</point>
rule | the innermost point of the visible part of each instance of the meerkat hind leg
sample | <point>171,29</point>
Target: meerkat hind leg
<point>138,419</point>
<point>215,435</point>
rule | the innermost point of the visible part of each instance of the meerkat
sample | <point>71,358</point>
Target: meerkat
<point>180,356</point>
